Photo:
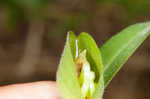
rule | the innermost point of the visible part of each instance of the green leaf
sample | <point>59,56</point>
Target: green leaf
<point>67,79</point>
<point>120,47</point>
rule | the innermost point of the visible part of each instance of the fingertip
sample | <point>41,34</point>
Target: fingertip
<point>35,90</point>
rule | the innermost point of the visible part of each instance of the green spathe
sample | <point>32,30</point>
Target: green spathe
<point>67,78</point>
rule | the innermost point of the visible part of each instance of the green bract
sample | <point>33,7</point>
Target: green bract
<point>83,74</point>
<point>67,75</point>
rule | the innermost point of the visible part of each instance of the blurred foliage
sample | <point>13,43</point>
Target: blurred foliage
<point>133,8</point>
<point>72,22</point>
<point>66,17</point>
<point>30,9</point>
<point>23,9</point>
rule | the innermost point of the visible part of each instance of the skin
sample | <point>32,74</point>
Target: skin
<point>35,90</point>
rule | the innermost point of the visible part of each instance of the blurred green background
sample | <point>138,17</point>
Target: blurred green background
<point>32,36</point>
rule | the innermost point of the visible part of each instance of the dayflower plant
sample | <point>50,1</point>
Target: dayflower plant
<point>85,70</point>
